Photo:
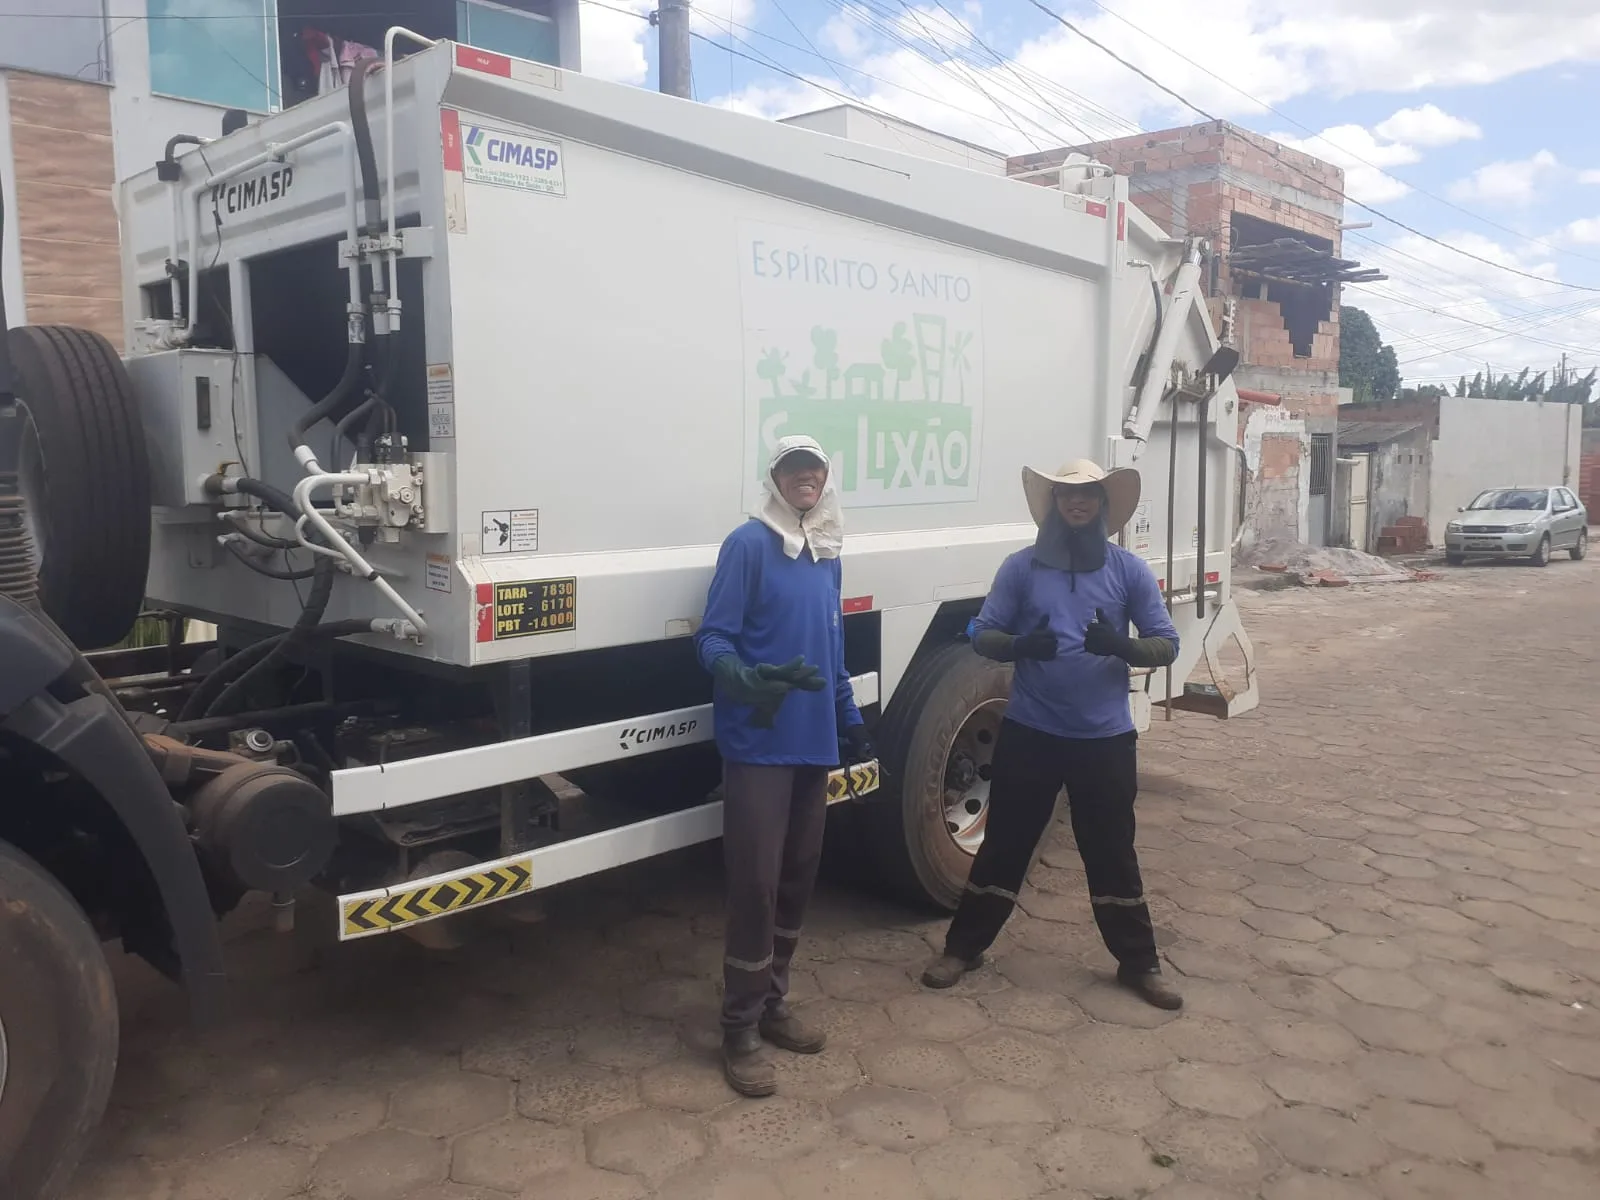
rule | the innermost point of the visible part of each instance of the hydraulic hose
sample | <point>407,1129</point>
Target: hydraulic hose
<point>365,155</point>
<point>333,402</point>
<point>285,645</point>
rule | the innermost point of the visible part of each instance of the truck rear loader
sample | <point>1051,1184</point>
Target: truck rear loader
<point>438,396</point>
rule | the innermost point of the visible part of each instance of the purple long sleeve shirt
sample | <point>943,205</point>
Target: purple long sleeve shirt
<point>1076,694</point>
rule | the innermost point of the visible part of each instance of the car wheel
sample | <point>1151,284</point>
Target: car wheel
<point>1541,556</point>
<point>1455,560</point>
<point>1581,547</point>
<point>58,1030</point>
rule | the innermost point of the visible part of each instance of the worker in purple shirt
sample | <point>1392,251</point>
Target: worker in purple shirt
<point>1060,611</point>
<point>773,639</point>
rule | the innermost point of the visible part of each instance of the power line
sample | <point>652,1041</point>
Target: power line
<point>1321,137</point>
<point>1187,103</point>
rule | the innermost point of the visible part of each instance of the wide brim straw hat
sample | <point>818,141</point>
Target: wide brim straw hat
<point>1121,488</point>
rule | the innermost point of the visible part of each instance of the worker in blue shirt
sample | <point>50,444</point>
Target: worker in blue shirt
<point>1060,610</point>
<point>773,640</point>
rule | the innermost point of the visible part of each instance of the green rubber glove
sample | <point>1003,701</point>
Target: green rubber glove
<point>764,686</point>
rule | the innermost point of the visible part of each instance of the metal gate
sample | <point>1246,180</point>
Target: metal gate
<point>1360,534</point>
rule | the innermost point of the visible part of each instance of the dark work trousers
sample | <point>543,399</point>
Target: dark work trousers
<point>1101,777</point>
<point>772,824</point>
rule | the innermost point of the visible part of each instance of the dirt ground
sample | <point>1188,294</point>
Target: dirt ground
<point>1380,893</point>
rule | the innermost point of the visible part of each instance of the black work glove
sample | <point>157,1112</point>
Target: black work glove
<point>1103,638</point>
<point>859,744</point>
<point>1040,645</point>
<point>764,686</point>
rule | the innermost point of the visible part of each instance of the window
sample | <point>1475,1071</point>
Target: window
<point>1321,463</point>
<point>70,40</point>
<point>222,52</point>
<point>1564,500</point>
<point>507,31</point>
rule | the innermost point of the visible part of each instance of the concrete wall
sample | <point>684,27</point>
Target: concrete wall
<point>1277,451</point>
<point>1589,474</point>
<point>1398,477</point>
<point>870,129</point>
<point>1499,443</point>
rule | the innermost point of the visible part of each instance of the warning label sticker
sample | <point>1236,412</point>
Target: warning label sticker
<point>439,572</point>
<point>441,401</point>
<point>510,531</point>
<point>1139,541</point>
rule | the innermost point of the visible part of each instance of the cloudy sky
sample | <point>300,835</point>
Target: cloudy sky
<point>1468,120</point>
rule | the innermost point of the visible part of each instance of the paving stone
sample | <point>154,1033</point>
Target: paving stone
<point>1100,1162</point>
<point>1364,950</point>
<point>845,1172</point>
<point>646,1142</point>
<point>1529,1174</point>
<point>847,1023</point>
<point>576,1094</point>
<point>1315,1040</point>
<point>769,1130</point>
<point>1412,1180</point>
<point>1318,1140</point>
<point>516,1052</point>
<point>445,1105</point>
<point>1291,926</point>
<point>1116,1048</point>
<point>1392,989</point>
<point>671,999</point>
<point>1299,1186</point>
<point>1185,1189</point>
<point>864,982</point>
<point>251,1170</point>
<point>1122,1102</point>
<point>884,946</point>
<point>198,1124</point>
<point>1394,1029</point>
<point>1293,958</point>
<point>936,1017</point>
<point>1203,1039</point>
<point>919,1066</point>
<point>985,1104</point>
<point>1038,1012</point>
<point>1214,1090</point>
<point>1580,1056</point>
<point>1210,1148</point>
<point>1106,1000</point>
<point>1427,1131</point>
<point>1531,1120</point>
<point>386,1164</point>
<point>1015,1056</point>
<point>966,1168</point>
<point>324,1112</point>
<point>819,1076</point>
<point>1326,1087</point>
<point>1500,1067</point>
<point>626,1045</point>
<point>1409,1077</point>
<point>891,1118</point>
<point>1044,972</point>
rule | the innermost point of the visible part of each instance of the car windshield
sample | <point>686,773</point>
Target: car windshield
<point>1524,499</point>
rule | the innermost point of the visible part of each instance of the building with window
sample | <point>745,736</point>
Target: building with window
<point>90,91</point>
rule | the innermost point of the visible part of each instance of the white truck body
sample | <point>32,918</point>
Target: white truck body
<point>626,298</point>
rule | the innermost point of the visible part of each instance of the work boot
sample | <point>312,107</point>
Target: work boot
<point>745,1064</point>
<point>947,970</point>
<point>1151,987</point>
<point>788,1032</point>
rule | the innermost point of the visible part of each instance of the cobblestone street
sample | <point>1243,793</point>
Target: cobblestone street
<point>1380,894</point>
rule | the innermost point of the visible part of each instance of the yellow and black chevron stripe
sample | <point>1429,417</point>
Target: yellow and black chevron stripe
<point>367,914</point>
<point>845,783</point>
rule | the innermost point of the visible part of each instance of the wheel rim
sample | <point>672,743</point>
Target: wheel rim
<point>30,482</point>
<point>967,775</point>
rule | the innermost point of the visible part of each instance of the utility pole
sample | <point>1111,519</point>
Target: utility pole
<point>672,47</point>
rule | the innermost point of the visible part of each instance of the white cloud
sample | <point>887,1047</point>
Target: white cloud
<point>1589,176</point>
<point>847,33</point>
<point>1427,125</point>
<point>1511,184</point>
<point>1585,231</point>
<point>940,28</point>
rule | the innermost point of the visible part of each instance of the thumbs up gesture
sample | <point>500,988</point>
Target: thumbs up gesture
<point>1040,645</point>
<point>1105,639</point>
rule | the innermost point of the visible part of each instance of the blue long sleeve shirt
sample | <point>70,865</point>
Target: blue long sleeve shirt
<point>766,607</point>
<point>1076,694</point>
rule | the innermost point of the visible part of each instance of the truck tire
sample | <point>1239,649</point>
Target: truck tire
<point>86,476</point>
<point>922,854</point>
<point>58,1030</point>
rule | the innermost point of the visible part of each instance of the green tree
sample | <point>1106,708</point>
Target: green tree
<point>1367,366</point>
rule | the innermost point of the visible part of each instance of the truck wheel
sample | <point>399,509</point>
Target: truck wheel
<point>86,476</point>
<point>58,1030</point>
<point>936,742</point>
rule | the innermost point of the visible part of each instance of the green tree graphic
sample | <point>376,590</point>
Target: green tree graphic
<point>825,356</point>
<point>772,367</point>
<point>959,366</point>
<point>899,357</point>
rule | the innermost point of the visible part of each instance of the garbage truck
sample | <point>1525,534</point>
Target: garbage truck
<point>438,395</point>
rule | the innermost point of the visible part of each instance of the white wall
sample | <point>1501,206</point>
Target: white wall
<point>142,123</point>
<point>870,129</point>
<point>11,249</point>
<point>1499,443</point>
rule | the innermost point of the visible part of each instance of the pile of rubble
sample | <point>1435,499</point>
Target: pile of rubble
<point>1326,566</point>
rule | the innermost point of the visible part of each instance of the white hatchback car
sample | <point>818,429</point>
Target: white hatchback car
<point>1523,522</point>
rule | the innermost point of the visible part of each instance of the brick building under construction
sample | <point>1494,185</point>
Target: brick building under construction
<point>1273,216</point>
